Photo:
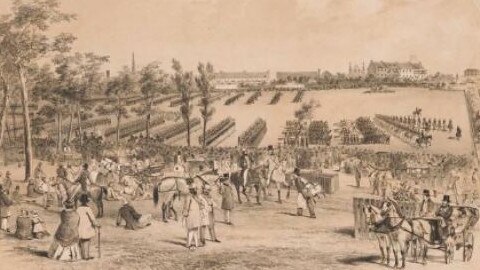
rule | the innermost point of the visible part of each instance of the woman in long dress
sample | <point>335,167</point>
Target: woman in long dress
<point>65,243</point>
<point>87,225</point>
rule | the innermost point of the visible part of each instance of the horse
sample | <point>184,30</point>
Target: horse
<point>403,231</point>
<point>278,177</point>
<point>174,187</point>
<point>256,177</point>
<point>373,217</point>
<point>424,140</point>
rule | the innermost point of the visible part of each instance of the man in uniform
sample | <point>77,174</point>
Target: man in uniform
<point>427,207</point>
<point>245,163</point>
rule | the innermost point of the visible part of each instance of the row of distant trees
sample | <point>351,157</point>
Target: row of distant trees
<point>37,67</point>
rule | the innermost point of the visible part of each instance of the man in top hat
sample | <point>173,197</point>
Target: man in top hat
<point>228,198</point>
<point>445,210</point>
<point>427,206</point>
<point>245,163</point>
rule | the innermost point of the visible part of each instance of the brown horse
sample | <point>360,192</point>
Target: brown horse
<point>256,177</point>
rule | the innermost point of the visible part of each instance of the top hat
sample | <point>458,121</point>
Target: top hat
<point>446,198</point>
<point>296,171</point>
<point>426,192</point>
<point>270,147</point>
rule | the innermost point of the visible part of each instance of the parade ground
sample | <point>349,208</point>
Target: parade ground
<point>348,104</point>
<point>270,236</point>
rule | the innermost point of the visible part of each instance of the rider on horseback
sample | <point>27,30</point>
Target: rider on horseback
<point>245,163</point>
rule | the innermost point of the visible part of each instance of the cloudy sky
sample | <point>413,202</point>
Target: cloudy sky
<point>279,34</point>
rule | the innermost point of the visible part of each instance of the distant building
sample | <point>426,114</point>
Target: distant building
<point>395,70</point>
<point>298,76</point>
<point>234,80</point>
<point>290,86</point>
<point>471,72</point>
<point>356,71</point>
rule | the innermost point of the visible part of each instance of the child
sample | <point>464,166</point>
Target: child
<point>38,226</point>
<point>228,202</point>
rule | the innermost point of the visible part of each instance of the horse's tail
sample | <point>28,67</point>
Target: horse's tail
<point>155,195</point>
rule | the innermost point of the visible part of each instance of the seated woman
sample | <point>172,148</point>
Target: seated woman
<point>133,220</point>
<point>65,243</point>
<point>24,226</point>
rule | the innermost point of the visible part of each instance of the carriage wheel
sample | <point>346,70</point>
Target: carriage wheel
<point>468,243</point>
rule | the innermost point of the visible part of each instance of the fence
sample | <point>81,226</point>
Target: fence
<point>408,209</point>
<point>328,181</point>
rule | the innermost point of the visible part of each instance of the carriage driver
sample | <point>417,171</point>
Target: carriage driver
<point>445,212</point>
<point>245,163</point>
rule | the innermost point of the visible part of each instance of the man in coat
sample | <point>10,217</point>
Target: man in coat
<point>228,198</point>
<point>5,204</point>
<point>427,206</point>
<point>305,198</point>
<point>84,178</point>
<point>133,219</point>
<point>245,163</point>
<point>7,183</point>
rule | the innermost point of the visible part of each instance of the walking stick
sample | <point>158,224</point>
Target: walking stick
<point>98,244</point>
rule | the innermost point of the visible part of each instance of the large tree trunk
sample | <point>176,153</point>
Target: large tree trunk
<point>118,127</point>
<point>149,116</point>
<point>188,131</point>
<point>3,112</point>
<point>13,113</point>
<point>79,118</point>
<point>27,135</point>
<point>70,127</point>
<point>59,132</point>
<point>204,132</point>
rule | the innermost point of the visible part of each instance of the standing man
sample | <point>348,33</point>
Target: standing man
<point>358,175</point>
<point>228,198</point>
<point>305,198</point>
<point>38,172</point>
<point>7,183</point>
<point>84,178</point>
<point>5,204</point>
<point>62,172</point>
<point>427,206</point>
<point>245,164</point>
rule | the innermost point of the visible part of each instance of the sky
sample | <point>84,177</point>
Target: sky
<point>278,35</point>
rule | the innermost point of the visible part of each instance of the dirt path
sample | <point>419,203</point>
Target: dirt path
<point>263,237</point>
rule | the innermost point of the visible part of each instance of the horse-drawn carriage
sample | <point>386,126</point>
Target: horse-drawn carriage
<point>404,229</point>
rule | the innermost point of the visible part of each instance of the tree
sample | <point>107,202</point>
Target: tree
<point>303,114</point>
<point>118,88</point>
<point>153,81</point>
<point>24,41</point>
<point>184,84</point>
<point>6,78</point>
<point>88,69</point>
<point>204,85</point>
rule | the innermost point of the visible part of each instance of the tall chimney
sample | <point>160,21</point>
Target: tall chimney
<point>133,62</point>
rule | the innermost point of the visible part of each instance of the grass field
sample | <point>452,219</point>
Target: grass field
<point>337,105</point>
